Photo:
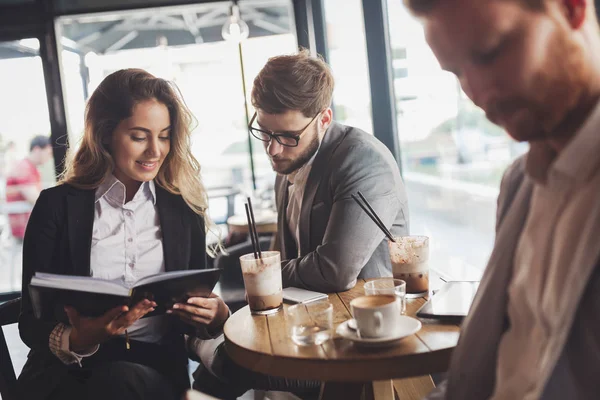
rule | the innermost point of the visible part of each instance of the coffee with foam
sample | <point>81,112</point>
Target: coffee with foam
<point>373,301</point>
<point>377,315</point>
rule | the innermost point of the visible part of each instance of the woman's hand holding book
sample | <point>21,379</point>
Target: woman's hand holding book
<point>202,311</point>
<point>88,332</point>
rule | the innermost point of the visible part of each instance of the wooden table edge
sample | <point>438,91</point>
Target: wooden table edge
<point>359,370</point>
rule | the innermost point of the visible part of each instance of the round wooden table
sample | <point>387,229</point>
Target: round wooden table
<point>263,344</point>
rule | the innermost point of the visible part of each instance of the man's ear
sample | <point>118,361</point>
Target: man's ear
<point>326,118</point>
<point>576,12</point>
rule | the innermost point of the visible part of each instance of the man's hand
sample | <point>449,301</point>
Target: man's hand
<point>201,311</point>
<point>87,333</point>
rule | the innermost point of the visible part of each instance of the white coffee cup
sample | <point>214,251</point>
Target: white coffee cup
<point>376,316</point>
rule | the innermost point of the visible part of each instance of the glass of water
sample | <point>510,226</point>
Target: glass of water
<point>396,287</point>
<point>310,323</point>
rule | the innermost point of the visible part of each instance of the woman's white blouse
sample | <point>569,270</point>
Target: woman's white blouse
<point>127,244</point>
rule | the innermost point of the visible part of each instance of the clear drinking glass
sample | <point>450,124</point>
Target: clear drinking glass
<point>262,280</point>
<point>410,262</point>
<point>310,323</point>
<point>396,287</point>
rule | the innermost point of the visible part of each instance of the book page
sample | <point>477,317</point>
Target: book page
<point>166,276</point>
<point>80,283</point>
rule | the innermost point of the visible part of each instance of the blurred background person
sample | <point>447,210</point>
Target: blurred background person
<point>24,184</point>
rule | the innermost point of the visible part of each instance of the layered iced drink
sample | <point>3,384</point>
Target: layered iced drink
<point>262,279</point>
<point>410,262</point>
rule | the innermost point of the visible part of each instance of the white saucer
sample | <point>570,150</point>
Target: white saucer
<point>408,326</point>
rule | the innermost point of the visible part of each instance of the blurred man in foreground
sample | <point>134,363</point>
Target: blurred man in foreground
<point>534,67</point>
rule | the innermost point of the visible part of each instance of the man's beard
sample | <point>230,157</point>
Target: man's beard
<point>555,95</point>
<point>299,161</point>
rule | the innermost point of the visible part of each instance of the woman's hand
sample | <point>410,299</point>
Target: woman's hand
<point>87,333</point>
<point>201,311</point>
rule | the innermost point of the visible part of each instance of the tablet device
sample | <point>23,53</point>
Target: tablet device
<point>453,300</point>
<point>297,295</point>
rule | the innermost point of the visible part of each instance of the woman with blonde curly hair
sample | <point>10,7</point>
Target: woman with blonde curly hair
<point>130,204</point>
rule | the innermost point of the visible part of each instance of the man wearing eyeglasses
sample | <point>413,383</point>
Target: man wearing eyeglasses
<point>326,240</point>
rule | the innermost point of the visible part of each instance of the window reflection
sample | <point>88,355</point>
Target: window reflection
<point>348,60</point>
<point>453,157</point>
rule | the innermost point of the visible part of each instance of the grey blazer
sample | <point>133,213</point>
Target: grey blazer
<point>339,243</point>
<point>575,370</point>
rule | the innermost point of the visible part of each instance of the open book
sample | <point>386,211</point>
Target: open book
<point>92,297</point>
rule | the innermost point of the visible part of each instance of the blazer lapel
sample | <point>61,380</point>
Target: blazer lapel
<point>80,222</point>
<point>288,243</point>
<point>585,259</point>
<point>174,229</point>
<point>477,363</point>
<point>334,136</point>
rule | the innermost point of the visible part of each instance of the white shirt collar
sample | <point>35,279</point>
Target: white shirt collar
<point>115,190</point>
<point>576,163</point>
<point>579,159</point>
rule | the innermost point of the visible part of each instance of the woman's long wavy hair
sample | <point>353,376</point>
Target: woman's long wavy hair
<point>112,102</point>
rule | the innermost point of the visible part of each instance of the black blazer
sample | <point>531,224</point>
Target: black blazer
<point>58,240</point>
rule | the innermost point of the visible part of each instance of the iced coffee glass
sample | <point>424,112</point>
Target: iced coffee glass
<point>410,262</point>
<point>262,279</point>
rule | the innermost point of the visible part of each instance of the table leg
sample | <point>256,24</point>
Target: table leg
<point>383,390</point>
<point>413,388</point>
<point>339,390</point>
<point>379,390</point>
<point>398,389</point>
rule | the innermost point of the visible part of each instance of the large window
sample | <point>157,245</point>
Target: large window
<point>184,44</point>
<point>453,158</point>
<point>348,60</point>
<point>25,110</point>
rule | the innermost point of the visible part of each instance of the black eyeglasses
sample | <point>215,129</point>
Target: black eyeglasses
<point>284,139</point>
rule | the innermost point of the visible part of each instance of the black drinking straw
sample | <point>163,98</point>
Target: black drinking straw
<point>373,215</point>
<point>254,228</point>
<point>250,232</point>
